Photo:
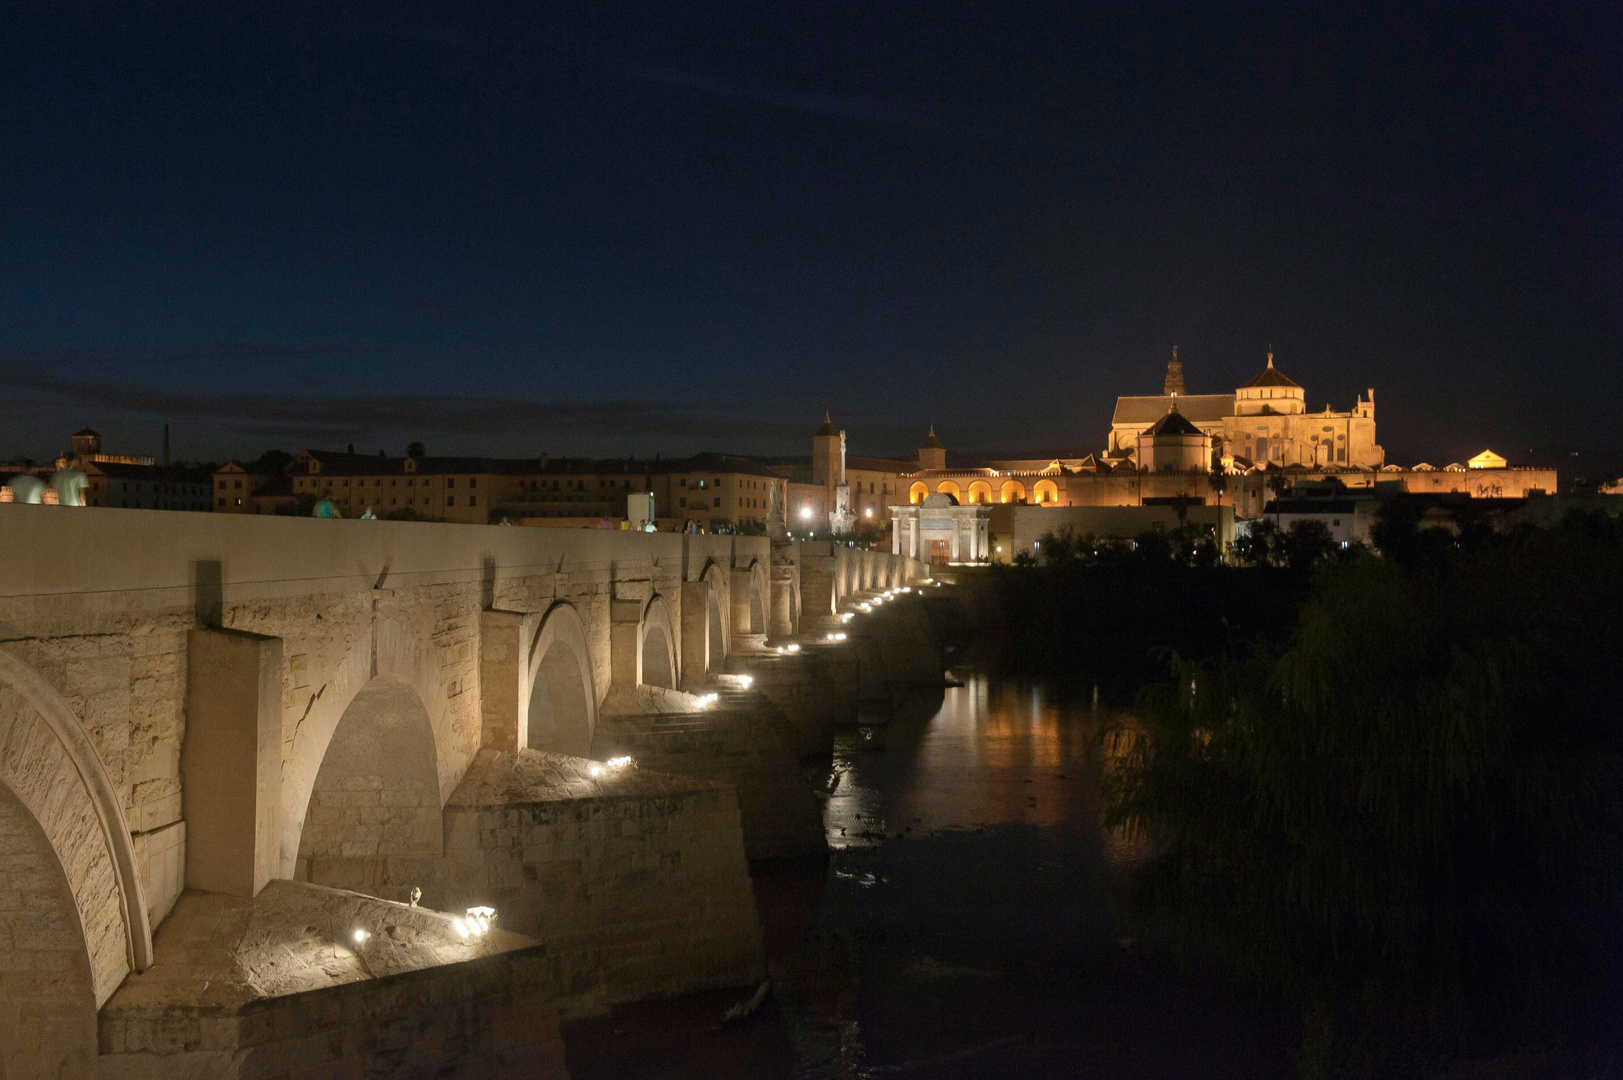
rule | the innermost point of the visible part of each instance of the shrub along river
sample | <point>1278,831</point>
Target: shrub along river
<point>963,925</point>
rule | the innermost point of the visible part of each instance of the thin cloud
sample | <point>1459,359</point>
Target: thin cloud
<point>558,426</point>
<point>822,103</point>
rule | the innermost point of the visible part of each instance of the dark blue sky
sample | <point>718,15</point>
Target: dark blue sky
<point>604,228</point>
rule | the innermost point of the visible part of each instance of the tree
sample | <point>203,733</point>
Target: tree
<point>1259,543</point>
<point>1278,485</point>
<point>1333,816</point>
<point>1307,543</point>
<point>1152,546</point>
<point>270,463</point>
<point>1218,480</point>
<point>416,451</point>
<point>303,505</point>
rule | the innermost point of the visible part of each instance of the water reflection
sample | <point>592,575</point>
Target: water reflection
<point>965,926</point>
<point>993,754</point>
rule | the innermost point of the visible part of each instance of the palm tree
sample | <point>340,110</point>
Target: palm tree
<point>1278,485</point>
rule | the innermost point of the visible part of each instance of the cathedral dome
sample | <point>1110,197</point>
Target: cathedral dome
<point>1174,423</point>
<point>1174,444</point>
<point>1269,393</point>
<point>1270,376</point>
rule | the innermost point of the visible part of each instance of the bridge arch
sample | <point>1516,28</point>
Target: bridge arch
<point>656,645</point>
<point>716,653</point>
<point>979,492</point>
<point>47,996</point>
<point>60,796</point>
<point>563,698</point>
<point>1013,491</point>
<point>377,792</point>
<point>760,596</point>
<point>396,647</point>
<point>918,492</point>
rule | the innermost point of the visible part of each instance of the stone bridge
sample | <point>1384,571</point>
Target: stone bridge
<point>194,707</point>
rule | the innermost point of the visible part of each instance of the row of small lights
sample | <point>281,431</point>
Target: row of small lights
<point>479,919</point>
<point>476,925</point>
<point>621,762</point>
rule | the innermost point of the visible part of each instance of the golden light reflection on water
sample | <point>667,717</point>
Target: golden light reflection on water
<point>994,754</point>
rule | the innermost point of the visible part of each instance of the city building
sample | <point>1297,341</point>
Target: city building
<point>147,487</point>
<point>1347,514</point>
<point>87,476</point>
<point>455,489</point>
<point>717,492</point>
<point>707,492</point>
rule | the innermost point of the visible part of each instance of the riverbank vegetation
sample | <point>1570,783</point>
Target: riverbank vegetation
<point>1396,799</point>
<point>1105,612</point>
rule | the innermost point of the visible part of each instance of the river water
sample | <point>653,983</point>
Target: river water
<point>963,926</point>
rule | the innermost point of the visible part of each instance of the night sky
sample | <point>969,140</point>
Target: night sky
<point>604,229</point>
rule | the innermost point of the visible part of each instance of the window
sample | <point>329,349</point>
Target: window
<point>450,481</point>
<point>683,481</point>
<point>682,502</point>
<point>473,481</point>
<point>473,500</point>
<point>717,505</point>
<point>222,485</point>
<point>239,502</point>
<point>222,501</point>
<point>450,500</point>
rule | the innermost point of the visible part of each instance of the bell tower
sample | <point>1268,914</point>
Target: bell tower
<point>932,455</point>
<point>1174,383</point>
<point>828,464</point>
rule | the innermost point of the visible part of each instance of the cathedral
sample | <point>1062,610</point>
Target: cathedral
<point>1264,422</point>
<point>1230,452</point>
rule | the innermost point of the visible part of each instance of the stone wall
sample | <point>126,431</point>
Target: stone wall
<point>47,1000</point>
<point>635,881</point>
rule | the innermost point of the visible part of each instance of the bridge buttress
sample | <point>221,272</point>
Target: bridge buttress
<point>231,760</point>
<point>504,679</point>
